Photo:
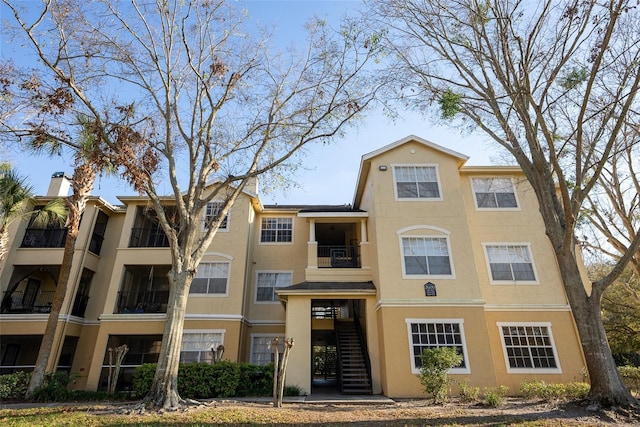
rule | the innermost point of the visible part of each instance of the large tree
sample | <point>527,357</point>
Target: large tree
<point>212,106</point>
<point>551,82</point>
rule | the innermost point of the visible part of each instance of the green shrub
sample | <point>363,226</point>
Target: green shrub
<point>538,389</point>
<point>142,379</point>
<point>494,397</point>
<point>54,388</point>
<point>577,390</point>
<point>195,380</point>
<point>469,393</point>
<point>630,376</point>
<point>434,377</point>
<point>292,390</point>
<point>225,379</point>
<point>14,386</point>
<point>255,380</point>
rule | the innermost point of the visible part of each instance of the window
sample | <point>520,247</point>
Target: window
<point>510,263</point>
<point>426,256</point>
<point>494,193</point>
<point>435,333</point>
<point>211,278</point>
<point>212,213</point>
<point>276,230</point>
<point>142,349</point>
<point>417,182</point>
<point>197,345</point>
<point>99,230</point>
<point>267,284</point>
<point>529,347</point>
<point>261,351</point>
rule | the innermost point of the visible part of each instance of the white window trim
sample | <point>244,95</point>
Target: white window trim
<point>496,209</point>
<point>255,287</point>
<point>262,335</point>
<point>293,230</point>
<point>208,295</point>
<point>510,282</point>
<point>223,230</point>
<point>417,199</point>
<point>426,276</point>
<point>222,332</point>
<point>511,370</point>
<point>414,370</point>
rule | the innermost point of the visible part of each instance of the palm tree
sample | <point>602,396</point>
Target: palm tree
<point>15,194</point>
<point>89,161</point>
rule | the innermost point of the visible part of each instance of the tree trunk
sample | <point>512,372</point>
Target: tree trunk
<point>4,242</point>
<point>288,343</point>
<point>39,371</point>
<point>164,390</point>
<point>607,387</point>
<point>276,369</point>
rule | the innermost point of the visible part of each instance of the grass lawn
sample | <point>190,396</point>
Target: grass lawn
<point>402,413</point>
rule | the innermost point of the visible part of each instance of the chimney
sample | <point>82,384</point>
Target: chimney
<point>59,185</point>
<point>252,185</point>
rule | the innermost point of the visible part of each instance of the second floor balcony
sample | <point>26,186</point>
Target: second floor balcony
<point>27,302</point>
<point>338,256</point>
<point>145,289</point>
<point>24,302</point>
<point>338,248</point>
<point>137,302</point>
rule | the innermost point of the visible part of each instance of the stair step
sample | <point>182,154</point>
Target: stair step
<point>353,369</point>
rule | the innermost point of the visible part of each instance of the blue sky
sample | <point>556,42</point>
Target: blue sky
<point>329,173</point>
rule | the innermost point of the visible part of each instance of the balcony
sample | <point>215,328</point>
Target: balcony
<point>148,237</point>
<point>27,302</point>
<point>44,238</point>
<point>146,231</point>
<point>145,289</point>
<point>139,302</point>
<point>337,256</point>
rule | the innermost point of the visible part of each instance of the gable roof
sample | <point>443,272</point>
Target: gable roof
<point>365,163</point>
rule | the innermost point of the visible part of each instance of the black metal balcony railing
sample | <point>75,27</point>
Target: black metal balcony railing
<point>338,256</point>
<point>18,302</point>
<point>44,238</point>
<point>143,301</point>
<point>148,237</point>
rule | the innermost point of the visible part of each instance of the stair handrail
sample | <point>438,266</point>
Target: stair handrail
<point>338,354</point>
<point>363,344</point>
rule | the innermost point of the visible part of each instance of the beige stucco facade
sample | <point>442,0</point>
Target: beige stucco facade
<point>431,253</point>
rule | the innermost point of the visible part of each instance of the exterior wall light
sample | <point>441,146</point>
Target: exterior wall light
<point>382,168</point>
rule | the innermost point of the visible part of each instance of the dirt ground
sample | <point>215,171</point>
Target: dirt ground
<point>423,412</point>
<point>399,413</point>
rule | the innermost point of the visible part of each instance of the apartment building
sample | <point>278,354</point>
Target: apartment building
<point>430,253</point>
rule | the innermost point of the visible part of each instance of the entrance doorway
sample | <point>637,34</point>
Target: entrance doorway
<point>340,362</point>
<point>324,376</point>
